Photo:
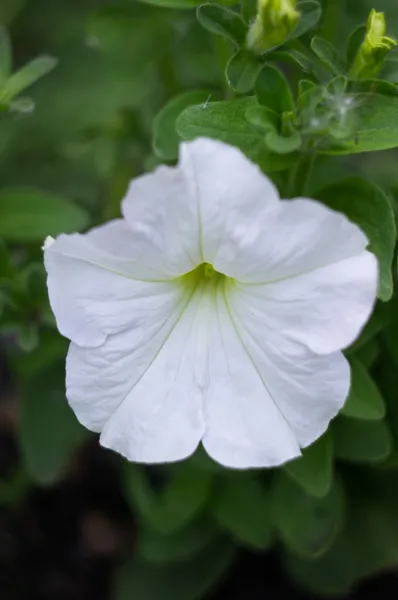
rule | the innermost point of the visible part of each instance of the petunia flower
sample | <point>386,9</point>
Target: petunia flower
<point>211,312</point>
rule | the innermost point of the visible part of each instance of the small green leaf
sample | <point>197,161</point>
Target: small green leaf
<point>241,508</point>
<point>223,21</point>
<point>26,76</point>
<point>22,105</point>
<point>30,215</point>
<point>307,525</point>
<point>365,204</point>
<point>181,545</point>
<point>49,433</point>
<point>338,85</point>
<point>273,90</point>
<point>310,14</point>
<point>226,121</point>
<point>291,56</point>
<point>188,581</point>
<point>165,137</point>
<point>281,144</point>
<point>354,41</point>
<point>5,57</point>
<point>361,441</point>
<point>263,118</point>
<point>327,54</point>
<point>364,400</point>
<point>242,70</point>
<point>176,505</point>
<point>313,471</point>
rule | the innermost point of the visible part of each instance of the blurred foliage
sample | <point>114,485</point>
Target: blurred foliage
<point>120,84</point>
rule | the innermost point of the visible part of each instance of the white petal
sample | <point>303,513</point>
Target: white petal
<point>324,309</point>
<point>308,389</point>
<point>180,216</point>
<point>91,289</point>
<point>140,388</point>
<point>290,238</point>
<point>244,424</point>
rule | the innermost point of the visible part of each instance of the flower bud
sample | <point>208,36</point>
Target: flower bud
<point>274,22</point>
<point>373,49</point>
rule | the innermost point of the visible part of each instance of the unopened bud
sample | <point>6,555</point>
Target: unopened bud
<point>274,22</point>
<point>373,49</point>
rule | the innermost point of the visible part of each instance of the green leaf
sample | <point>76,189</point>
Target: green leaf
<point>310,14</point>
<point>354,41</point>
<point>5,57</point>
<point>360,441</point>
<point>165,137</point>
<point>242,70</point>
<point>365,204</point>
<point>338,85</point>
<point>226,121</point>
<point>307,525</point>
<point>181,545</point>
<point>49,433</point>
<point>291,56</point>
<point>182,498</point>
<point>26,76</point>
<point>273,90</point>
<point>364,400</point>
<point>327,54</point>
<point>223,21</point>
<point>263,118</point>
<point>241,507</point>
<point>313,471</point>
<point>30,215</point>
<point>188,581</point>
<point>377,125</point>
<point>281,144</point>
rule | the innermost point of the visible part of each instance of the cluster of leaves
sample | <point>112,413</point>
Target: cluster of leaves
<point>64,167</point>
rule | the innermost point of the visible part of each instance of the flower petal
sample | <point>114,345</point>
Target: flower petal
<point>290,238</point>
<point>180,216</point>
<point>92,291</point>
<point>244,425</point>
<point>308,389</point>
<point>140,388</point>
<point>324,309</point>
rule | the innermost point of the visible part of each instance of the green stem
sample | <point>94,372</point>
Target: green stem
<point>300,176</point>
<point>331,19</point>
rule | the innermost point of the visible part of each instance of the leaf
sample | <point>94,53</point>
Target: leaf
<point>49,433</point>
<point>354,41</point>
<point>310,15</point>
<point>365,204</point>
<point>28,215</point>
<point>377,129</point>
<point>364,400</point>
<point>273,90</point>
<point>313,471</point>
<point>263,118</point>
<point>176,505</point>
<point>241,508</point>
<point>327,54</point>
<point>292,56</point>
<point>165,137</point>
<point>5,57</point>
<point>223,21</point>
<point>26,76</point>
<point>226,121</point>
<point>242,70</point>
<point>281,144</point>
<point>360,441</point>
<point>307,525</point>
<point>182,545</point>
<point>189,581</point>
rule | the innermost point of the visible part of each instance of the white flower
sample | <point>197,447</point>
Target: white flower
<point>211,312</point>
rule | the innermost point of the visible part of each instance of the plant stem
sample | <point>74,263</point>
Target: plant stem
<point>300,175</point>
